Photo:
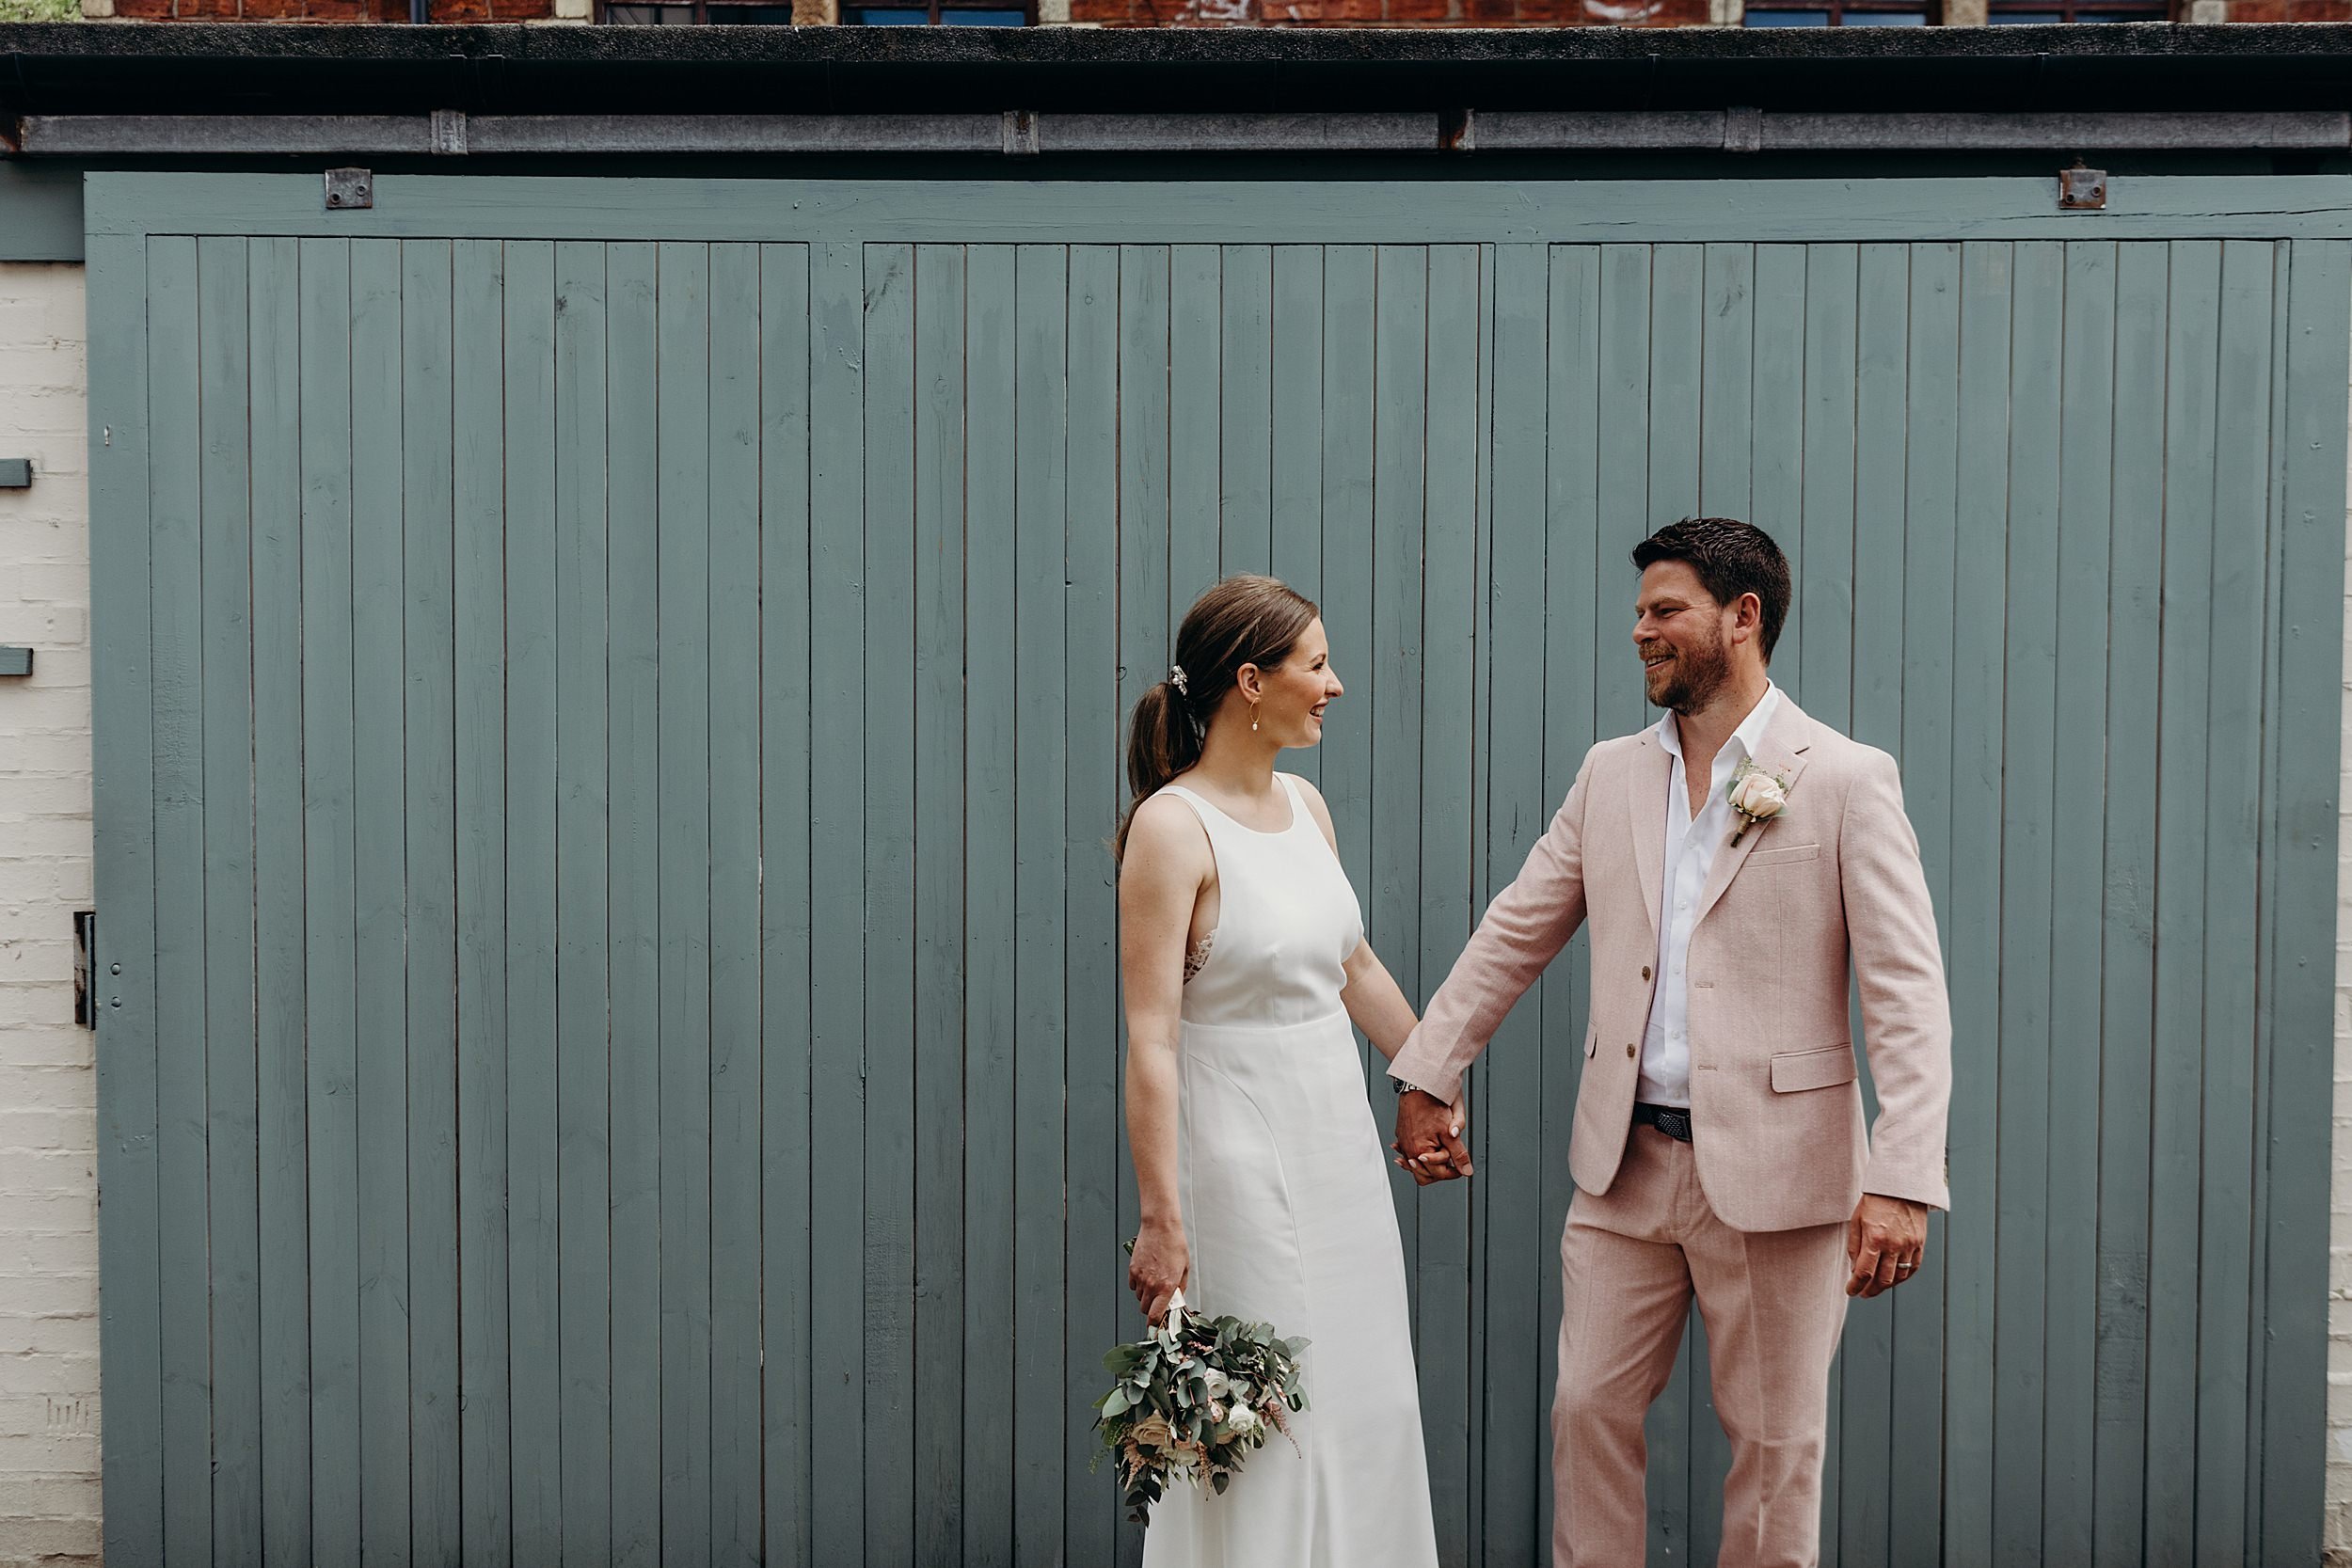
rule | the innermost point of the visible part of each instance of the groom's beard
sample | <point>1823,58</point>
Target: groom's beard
<point>1692,681</point>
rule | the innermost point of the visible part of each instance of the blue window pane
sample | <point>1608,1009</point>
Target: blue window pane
<point>1787,18</point>
<point>876,18</point>
<point>983,18</point>
<point>1886,18</point>
<point>2026,18</point>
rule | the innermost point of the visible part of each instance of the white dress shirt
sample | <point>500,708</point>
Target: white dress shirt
<point>1691,845</point>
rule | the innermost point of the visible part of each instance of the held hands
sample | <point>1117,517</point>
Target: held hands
<point>1160,1262</point>
<point>1884,1242</point>
<point>1429,1145</point>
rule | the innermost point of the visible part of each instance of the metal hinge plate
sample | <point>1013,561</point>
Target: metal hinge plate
<point>2082,190</point>
<point>349,188</point>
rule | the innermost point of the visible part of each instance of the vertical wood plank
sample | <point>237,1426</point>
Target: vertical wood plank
<point>1245,405</point>
<point>1449,513</point>
<point>122,675</point>
<point>1090,1512</point>
<point>1579,588</point>
<point>890,1066</point>
<point>2243,443</point>
<point>2303,800</point>
<point>2080,785</point>
<point>176,459</point>
<point>1506,1126</point>
<point>682,554</point>
<point>275,314</point>
<point>633,878</point>
<point>1729,330</point>
<point>1294,437</point>
<point>2029,828</point>
<point>1882,349</point>
<point>583,1025</point>
<point>1145,633</point>
<point>1820,638</point>
<point>1040,814</point>
<point>1775,434</point>
<point>1295,479</point>
<point>991,1024</point>
<point>1349,294</point>
<point>478,522</point>
<point>1952,756</point>
<point>2128,938</point>
<point>939,936</point>
<point>1194,426</point>
<point>2184,715</point>
<point>533,1185</point>
<point>380,889</point>
<point>1816,505</point>
<point>787,1141</point>
<point>429,752</point>
<point>838,280</point>
<point>735,1064</point>
<point>327,902</point>
<point>231,1109</point>
<point>1400,415</point>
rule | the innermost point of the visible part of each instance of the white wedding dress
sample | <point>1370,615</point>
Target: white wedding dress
<point>1284,1184</point>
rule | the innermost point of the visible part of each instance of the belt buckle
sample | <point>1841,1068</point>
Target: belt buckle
<point>1675,1124</point>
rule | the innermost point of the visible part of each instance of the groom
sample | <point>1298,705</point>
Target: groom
<point>1737,862</point>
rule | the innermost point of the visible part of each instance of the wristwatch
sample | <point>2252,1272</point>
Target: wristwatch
<point>1404,1088</point>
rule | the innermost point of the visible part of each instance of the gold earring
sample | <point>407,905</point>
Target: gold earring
<point>1253,719</point>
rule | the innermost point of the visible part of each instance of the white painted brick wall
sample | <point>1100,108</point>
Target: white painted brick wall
<point>48,1496</point>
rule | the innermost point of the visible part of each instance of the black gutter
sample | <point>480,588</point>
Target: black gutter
<point>192,67</point>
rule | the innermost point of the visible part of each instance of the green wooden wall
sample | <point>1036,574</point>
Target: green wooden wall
<point>609,721</point>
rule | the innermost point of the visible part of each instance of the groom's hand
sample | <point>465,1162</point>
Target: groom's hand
<point>1884,1242</point>
<point>1428,1139</point>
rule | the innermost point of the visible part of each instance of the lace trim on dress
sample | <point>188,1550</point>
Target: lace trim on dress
<point>1197,956</point>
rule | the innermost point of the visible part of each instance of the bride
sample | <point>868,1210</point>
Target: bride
<point>1257,1160</point>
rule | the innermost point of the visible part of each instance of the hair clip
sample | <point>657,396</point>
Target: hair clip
<point>1176,679</point>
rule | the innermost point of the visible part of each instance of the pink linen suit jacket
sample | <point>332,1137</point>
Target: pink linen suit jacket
<point>1831,888</point>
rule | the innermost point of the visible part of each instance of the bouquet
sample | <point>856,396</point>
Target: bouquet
<point>1192,1399</point>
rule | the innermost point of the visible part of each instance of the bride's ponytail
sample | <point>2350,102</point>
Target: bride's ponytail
<point>1161,742</point>
<point>1243,620</point>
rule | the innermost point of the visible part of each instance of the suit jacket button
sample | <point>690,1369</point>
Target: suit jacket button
<point>1628,1051</point>
<point>1646,972</point>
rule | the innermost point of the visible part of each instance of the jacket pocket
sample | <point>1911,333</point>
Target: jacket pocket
<point>1787,856</point>
<point>1796,1071</point>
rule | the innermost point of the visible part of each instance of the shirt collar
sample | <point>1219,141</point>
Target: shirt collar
<point>1748,737</point>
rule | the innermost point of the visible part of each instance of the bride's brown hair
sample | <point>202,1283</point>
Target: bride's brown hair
<point>1243,620</point>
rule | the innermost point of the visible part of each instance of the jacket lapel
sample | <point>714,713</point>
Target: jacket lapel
<point>1653,773</point>
<point>1783,755</point>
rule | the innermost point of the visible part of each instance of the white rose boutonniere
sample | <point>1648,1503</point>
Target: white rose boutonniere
<point>1757,795</point>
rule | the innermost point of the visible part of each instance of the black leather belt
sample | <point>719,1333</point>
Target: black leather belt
<point>1673,1120</point>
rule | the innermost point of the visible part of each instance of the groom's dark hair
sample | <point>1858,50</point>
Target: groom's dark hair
<point>1731,557</point>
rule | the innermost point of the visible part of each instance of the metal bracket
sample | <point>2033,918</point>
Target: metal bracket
<point>1743,130</point>
<point>349,188</point>
<point>1020,140</point>
<point>16,473</point>
<point>2082,190</point>
<point>449,132</point>
<point>16,661</point>
<point>85,967</point>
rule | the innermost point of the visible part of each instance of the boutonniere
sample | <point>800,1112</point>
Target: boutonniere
<point>1757,795</point>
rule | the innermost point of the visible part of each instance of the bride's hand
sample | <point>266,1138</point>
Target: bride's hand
<point>1161,1263</point>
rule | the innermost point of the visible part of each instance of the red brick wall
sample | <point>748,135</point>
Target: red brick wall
<point>335,10</point>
